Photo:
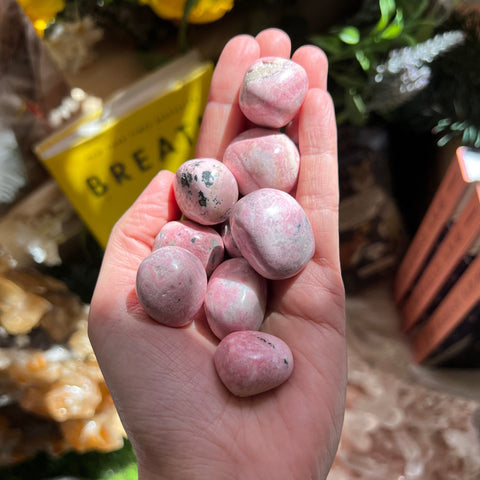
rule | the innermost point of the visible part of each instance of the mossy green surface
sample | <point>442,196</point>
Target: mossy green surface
<point>118,465</point>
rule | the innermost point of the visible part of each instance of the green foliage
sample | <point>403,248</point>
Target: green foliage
<point>355,49</point>
<point>118,465</point>
<point>449,107</point>
<point>451,101</point>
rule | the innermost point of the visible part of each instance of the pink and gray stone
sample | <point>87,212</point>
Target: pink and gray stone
<point>251,362</point>
<point>273,91</point>
<point>205,190</point>
<point>273,233</point>
<point>171,285</point>
<point>204,242</point>
<point>261,158</point>
<point>236,298</point>
<point>228,242</point>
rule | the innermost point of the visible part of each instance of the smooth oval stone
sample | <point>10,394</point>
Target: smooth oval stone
<point>236,298</point>
<point>250,362</point>
<point>228,242</point>
<point>205,190</point>
<point>263,158</point>
<point>273,233</point>
<point>171,285</point>
<point>273,91</point>
<point>204,242</point>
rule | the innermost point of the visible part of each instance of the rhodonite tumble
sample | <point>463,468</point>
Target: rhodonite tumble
<point>204,242</point>
<point>171,285</point>
<point>250,362</point>
<point>261,158</point>
<point>273,233</point>
<point>236,298</point>
<point>205,190</point>
<point>273,91</point>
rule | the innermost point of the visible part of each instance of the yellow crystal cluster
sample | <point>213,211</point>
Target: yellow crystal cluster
<point>52,394</point>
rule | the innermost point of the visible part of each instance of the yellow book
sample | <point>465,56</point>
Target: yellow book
<point>102,162</point>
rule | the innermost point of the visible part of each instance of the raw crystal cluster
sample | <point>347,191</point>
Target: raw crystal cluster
<point>393,429</point>
<point>52,395</point>
<point>397,424</point>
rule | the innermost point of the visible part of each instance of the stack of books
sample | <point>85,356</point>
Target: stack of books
<point>437,285</point>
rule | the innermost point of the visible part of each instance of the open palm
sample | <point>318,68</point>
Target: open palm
<point>182,422</point>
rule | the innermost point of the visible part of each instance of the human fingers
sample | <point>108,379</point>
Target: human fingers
<point>315,63</point>
<point>274,42</point>
<point>317,189</point>
<point>222,119</point>
<point>132,237</point>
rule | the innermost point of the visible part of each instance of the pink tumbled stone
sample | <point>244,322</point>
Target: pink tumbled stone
<point>171,285</point>
<point>205,190</point>
<point>228,242</point>
<point>261,158</point>
<point>250,362</point>
<point>273,91</point>
<point>236,298</point>
<point>273,233</point>
<point>204,242</point>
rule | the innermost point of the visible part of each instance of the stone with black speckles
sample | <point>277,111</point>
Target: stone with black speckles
<point>250,362</point>
<point>204,242</point>
<point>205,190</point>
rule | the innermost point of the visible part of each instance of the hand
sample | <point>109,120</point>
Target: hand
<point>180,419</point>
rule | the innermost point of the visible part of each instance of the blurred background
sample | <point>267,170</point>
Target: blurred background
<point>78,79</point>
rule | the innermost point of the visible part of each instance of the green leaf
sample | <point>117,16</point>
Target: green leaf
<point>387,10</point>
<point>477,141</point>
<point>363,60</point>
<point>444,123</point>
<point>395,28</point>
<point>446,138</point>
<point>392,31</point>
<point>349,35</point>
<point>469,135</point>
<point>355,107</point>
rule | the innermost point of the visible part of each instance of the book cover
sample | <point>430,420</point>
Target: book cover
<point>453,326</point>
<point>448,201</point>
<point>459,240</point>
<point>104,161</point>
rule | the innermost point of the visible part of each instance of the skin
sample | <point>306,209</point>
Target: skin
<point>181,420</point>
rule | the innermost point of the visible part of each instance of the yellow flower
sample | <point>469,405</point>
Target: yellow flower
<point>41,12</point>
<point>204,11</point>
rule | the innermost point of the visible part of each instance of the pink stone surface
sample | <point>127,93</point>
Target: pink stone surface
<point>204,242</point>
<point>273,91</point>
<point>273,233</point>
<point>261,158</point>
<point>228,242</point>
<point>236,298</point>
<point>205,190</point>
<point>171,285</point>
<point>250,362</point>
